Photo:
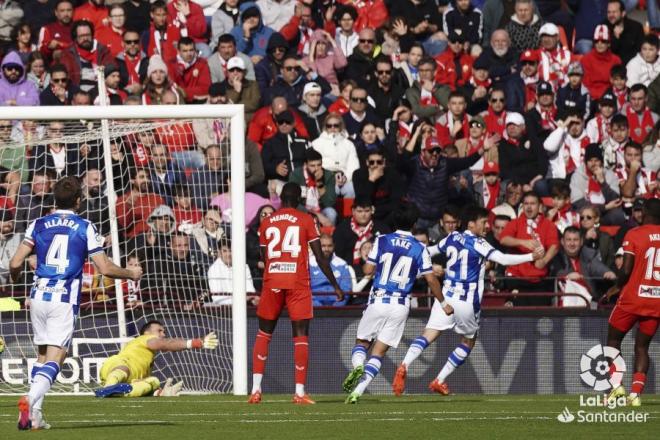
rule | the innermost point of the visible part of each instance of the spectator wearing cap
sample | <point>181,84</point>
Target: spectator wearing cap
<point>521,87</point>
<point>268,69</point>
<point>464,17</point>
<point>318,187</point>
<point>454,65</point>
<point>645,66</point>
<point>132,63</point>
<point>326,58</point>
<point>574,94</point>
<point>241,90</point>
<point>191,72</point>
<point>598,62</point>
<point>477,137</point>
<point>190,16</point>
<point>555,59</point>
<point>263,125</point>
<point>386,91</point>
<point>294,75</point>
<point>641,119</point>
<point>541,119</point>
<point>379,181</point>
<point>599,127</point>
<point>428,176</point>
<point>158,82</point>
<point>15,88</point>
<point>251,33</point>
<point>114,94</point>
<point>522,158</point>
<point>627,35</point>
<point>361,64</point>
<point>565,148</point>
<point>283,153</point>
<point>635,180</point>
<point>476,89</point>
<point>495,115</point>
<point>224,51</point>
<point>427,98</point>
<point>110,34</point>
<point>489,191</point>
<point>223,20</point>
<point>55,36</point>
<point>82,58</point>
<point>524,26</point>
<point>594,184</point>
<point>312,111</point>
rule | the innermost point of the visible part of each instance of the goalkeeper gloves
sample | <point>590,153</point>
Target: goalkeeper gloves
<point>209,342</point>
<point>169,390</point>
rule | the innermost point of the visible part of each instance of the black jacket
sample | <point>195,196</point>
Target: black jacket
<point>361,69</point>
<point>629,42</point>
<point>386,102</point>
<point>522,163</point>
<point>268,68</point>
<point>385,193</point>
<point>281,147</point>
<point>123,70</point>
<point>293,92</point>
<point>469,23</point>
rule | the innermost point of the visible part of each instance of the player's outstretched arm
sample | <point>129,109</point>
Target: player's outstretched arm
<point>110,269</point>
<point>434,284</point>
<point>209,342</point>
<point>513,259</point>
<point>16,263</point>
<point>324,264</point>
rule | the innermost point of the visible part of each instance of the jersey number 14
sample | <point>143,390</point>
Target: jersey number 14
<point>399,274</point>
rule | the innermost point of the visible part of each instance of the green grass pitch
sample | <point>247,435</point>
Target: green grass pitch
<point>375,417</point>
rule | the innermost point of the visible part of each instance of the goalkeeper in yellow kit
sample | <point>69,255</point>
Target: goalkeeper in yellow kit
<point>128,372</point>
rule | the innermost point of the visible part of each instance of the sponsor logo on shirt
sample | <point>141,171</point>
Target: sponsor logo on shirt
<point>277,267</point>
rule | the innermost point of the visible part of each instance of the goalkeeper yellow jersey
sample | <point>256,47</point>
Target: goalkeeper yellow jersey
<point>138,356</point>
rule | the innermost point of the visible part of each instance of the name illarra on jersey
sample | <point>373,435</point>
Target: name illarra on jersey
<point>466,266</point>
<point>62,241</point>
<point>399,260</point>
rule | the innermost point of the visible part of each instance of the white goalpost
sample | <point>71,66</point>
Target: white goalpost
<point>110,142</point>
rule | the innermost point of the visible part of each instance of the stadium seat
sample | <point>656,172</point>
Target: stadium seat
<point>344,206</point>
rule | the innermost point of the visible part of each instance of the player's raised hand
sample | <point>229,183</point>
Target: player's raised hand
<point>538,253</point>
<point>136,273</point>
<point>210,341</point>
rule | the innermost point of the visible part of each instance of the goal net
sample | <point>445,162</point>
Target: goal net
<point>164,186</point>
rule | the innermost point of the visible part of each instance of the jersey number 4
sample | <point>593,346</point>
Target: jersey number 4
<point>652,264</point>
<point>290,244</point>
<point>57,252</point>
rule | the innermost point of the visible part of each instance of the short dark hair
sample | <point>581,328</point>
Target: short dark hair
<point>428,60</point>
<point>291,194</point>
<point>160,4</point>
<point>622,6</point>
<point>375,152</point>
<point>405,217</point>
<point>148,325</point>
<point>634,146</point>
<point>571,230</point>
<point>561,189</point>
<point>456,94</point>
<point>651,39</point>
<point>345,9</point>
<point>453,211</point>
<point>226,38</point>
<point>506,218</point>
<point>186,41</point>
<point>638,87</point>
<point>363,202</point>
<point>619,120</point>
<point>67,191</point>
<point>531,194</point>
<point>619,70</point>
<point>472,213</point>
<point>58,2</point>
<point>382,59</point>
<point>651,208</point>
<point>311,155</point>
<point>59,68</point>
<point>78,24</point>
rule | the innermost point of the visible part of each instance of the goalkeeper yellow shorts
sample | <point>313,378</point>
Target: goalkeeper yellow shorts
<point>110,364</point>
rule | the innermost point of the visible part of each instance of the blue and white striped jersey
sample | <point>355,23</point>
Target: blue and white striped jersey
<point>466,266</point>
<point>62,241</point>
<point>399,259</point>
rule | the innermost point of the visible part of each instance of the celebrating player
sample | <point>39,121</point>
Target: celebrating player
<point>62,241</point>
<point>397,260</point>
<point>463,287</point>
<point>129,371</point>
<point>284,237</point>
<point>640,297</point>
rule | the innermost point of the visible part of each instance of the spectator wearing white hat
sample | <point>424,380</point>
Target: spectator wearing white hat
<point>555,59</point>
<point>645,66</point>
<point>598,63</point>
<point>241,90</point>
<point>313,112</point>
<point>522,159</point>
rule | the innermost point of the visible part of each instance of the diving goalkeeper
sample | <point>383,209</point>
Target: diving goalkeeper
<point>128,372</point>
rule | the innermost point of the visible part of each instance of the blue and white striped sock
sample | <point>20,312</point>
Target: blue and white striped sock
<point>370,371</point>
<point>43,380</point>
<point>455,360</point>
<point>358,355</point>
<point>416,348</point>
<point>36,367</point>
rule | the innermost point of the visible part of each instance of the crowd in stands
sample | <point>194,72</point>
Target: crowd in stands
<point>545,112</point>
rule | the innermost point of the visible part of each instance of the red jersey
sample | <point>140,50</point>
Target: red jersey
<point>284,237</point>
<point>641,294</point>
<point>540,229</point>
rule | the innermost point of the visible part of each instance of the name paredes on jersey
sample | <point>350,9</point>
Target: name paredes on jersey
<point>59,221</point>
<point>287,217</point>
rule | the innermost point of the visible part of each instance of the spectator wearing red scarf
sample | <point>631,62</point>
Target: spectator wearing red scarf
<point>598,62</point>
<point>495,116</point>
<point>162,36</point>
<point>191,72</point>
<point>84,56</point>
<point>541,119</point>
<point>456,120</point>
<point>56,37</point>
<point>132,64</point>
<point>489,191</point>
<point>454,65</point>
<point>641,119</point>
<point>188,15</point>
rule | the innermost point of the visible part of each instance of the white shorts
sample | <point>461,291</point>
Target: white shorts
<point>464,321</point>
<point>53,322</point>
<point>384,322</point>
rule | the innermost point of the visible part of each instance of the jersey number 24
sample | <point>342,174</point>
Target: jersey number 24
<point>290,243</point>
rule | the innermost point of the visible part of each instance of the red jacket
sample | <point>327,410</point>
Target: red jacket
<point>546,233</point>
<point>446,72</point>
<point>195,22</point>
<point>92,13</point>
<point>132,215</point>
<point>194,80</point>
<point>54,31</point>
<point>263,127</point>
<point>164,46</point>
<point>597,71</point>
<point>371,13</point>
<point>71,60</point>
<point>111,39</point>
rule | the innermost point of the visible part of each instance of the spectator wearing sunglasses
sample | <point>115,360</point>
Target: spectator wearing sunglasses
<point>361,63</point>
<point>387,90</point>
<point>294,76</point>
<point>359,113</point>
<point>15,88</point>
<point>594,238</point>
<point>132,63</point>
<point>285,152</point>
<point>60,91</point>
<point>380,183</point>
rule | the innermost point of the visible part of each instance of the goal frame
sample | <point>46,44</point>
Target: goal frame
<point>236,114</point>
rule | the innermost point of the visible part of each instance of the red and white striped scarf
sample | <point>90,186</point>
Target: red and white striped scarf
<point>604,129</point>
<point>573,151</point>
<point>364,234</point>
<point>547,117</point>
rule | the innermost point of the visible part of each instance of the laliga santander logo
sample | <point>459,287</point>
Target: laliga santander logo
<point>595,370</point>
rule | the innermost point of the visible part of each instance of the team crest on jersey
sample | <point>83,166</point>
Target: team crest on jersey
<point>277,267</point>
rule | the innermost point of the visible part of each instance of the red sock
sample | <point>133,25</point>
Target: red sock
<point>300,357</point>
<point>639,380</point>
<point>260,352</point>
